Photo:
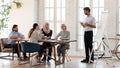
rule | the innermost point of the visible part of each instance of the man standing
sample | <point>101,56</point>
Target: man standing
<point>88,25</point>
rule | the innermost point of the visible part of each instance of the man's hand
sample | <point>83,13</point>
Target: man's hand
<point>86,24</point>
<point>61,38</point>
<point>90,25</point>
<point>83,24</point>
<point>20,37</point>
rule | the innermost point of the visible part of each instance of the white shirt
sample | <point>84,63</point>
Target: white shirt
<point>90,20</point>
<point>36,35</point>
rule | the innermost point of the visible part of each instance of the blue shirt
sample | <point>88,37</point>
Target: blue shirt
<point>15,34</point>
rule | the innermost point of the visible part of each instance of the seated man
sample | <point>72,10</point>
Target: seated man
<point>12,43</point>
<point>64,35</point>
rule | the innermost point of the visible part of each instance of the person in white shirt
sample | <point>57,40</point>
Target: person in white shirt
<point>34,35</point>
<point>88,25</point>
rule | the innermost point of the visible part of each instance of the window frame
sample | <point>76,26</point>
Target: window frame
<point>55,22</point>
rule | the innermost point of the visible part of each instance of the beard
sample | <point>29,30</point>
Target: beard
<point>16,30</point>
<point>86,14</point>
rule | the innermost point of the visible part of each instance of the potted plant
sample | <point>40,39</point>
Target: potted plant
<point>4,13</point>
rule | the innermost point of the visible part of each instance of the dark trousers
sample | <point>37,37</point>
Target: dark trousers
<point>60,49</point>
<point>15,47</point>
<point>49,53</point>
<point>40,52</point>
<point>49,46</point>
<point>88,39</point>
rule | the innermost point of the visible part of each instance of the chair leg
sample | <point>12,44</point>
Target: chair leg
<point>29,58</point>
<point>29,55</point>
<point>67,57</point>
<point>13,56</point>
<point>9,54</point>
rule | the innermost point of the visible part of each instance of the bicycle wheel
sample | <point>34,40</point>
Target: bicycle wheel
<point>117,51</point>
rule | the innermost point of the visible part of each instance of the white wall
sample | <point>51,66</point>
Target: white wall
<point>112,17</point>
<point>111,28</point>
<point>41,12</point>
<point>23,17</point>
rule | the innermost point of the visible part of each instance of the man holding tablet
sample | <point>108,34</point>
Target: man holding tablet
<point>88,25</point>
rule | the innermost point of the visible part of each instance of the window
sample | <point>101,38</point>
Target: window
<point>55,13</point>
<point>97,7</point>
<point>60,13</point>
<point>49,12</point>
<point>4,17</point>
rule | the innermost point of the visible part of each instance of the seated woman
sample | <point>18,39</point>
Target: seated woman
<point>64,35</point>
<point>48,33</point>
<point>35,34</point>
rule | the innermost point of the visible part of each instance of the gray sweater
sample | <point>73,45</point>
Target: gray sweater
<point>36,35</point>
<point>64,35</point>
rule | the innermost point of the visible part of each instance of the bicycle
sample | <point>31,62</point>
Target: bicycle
<point>109,41</point>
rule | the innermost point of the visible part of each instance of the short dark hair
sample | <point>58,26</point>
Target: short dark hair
<point>87,9</point>
<point>14,26</point>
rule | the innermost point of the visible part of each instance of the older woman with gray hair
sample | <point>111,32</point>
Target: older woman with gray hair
<point>63,35</point>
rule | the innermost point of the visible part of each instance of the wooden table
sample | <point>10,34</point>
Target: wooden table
<point>55,42</point>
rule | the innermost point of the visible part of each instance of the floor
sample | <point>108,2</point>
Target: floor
<point>74,63</point>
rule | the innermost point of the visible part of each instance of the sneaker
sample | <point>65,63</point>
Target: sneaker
<point>84,61</point>
<point>48,59</point>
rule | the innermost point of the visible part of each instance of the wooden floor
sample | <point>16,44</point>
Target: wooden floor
<point>75,63</point>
